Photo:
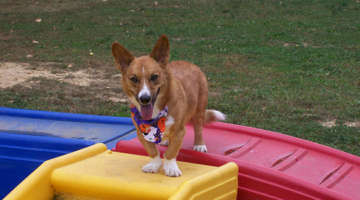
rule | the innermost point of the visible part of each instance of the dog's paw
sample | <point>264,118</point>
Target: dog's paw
<point>153,166</point>
<point>200,148</point>
<point>171,168</point>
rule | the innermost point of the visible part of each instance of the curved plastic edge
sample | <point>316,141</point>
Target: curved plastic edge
<point>38,183</point>
<point>189,189</point>
<point>64,116</point>
<point>288,139</point>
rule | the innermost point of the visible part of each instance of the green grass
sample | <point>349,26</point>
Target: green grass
<point>278,65</point>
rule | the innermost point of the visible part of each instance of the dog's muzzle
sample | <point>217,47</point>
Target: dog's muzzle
<point>145,99</point>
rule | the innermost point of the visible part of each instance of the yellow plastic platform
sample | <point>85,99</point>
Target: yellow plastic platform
<point>96,173</point>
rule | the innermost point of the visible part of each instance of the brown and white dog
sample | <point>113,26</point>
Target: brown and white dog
<point>152,84</point>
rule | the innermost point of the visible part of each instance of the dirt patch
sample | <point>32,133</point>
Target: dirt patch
<point>332,123</point>
<point>328,124</point>
<point>16,73</point>
<point>100,83</point>
<point>353,124</point>
<point>5,37</point>
<point>36,6</point>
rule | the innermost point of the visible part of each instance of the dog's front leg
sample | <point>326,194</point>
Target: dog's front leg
<point>170,166</point>
<point>155,163</point>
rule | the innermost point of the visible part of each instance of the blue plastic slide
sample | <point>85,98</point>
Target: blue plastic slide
<point>29,137</point>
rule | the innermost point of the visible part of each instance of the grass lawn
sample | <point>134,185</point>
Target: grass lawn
<point>289,66</point>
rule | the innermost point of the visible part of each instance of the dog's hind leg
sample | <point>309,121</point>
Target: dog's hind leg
<point>199,144</point>
<point>198,119</point>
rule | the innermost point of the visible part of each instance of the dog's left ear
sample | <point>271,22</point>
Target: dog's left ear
<point>161,50</point>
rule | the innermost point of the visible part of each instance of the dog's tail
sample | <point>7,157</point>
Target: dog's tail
<point>214,115</point>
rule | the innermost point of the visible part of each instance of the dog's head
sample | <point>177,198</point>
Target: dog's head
<point>143,77</point>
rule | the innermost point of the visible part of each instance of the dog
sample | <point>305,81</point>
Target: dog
<point>164,98</point>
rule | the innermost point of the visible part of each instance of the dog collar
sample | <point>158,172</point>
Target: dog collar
<point>153,129</point>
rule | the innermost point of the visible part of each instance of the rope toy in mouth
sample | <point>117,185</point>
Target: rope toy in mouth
<point>152,130</point>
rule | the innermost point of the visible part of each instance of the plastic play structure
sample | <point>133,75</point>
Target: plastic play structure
<point>97,173</point>
<point>248,162</point>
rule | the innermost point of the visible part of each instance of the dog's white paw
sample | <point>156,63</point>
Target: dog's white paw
<point>164,143</point>
<point>153,166</point>
<point>171,168</point>
<point>200,148</point>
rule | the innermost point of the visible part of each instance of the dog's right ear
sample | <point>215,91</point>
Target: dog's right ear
<point>122,56</point>
<point>161,50</point>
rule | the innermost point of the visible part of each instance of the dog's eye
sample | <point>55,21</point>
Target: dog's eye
<point>154,77</point>
<point>134,79</point>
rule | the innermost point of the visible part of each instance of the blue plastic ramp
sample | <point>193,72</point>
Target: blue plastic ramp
<point>29,137</point>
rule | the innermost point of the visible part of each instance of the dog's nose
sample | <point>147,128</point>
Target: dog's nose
<point>145,99</point>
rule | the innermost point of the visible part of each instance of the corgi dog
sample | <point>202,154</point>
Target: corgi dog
<point>165,97</point>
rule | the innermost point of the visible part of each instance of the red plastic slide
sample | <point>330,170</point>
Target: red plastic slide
<point>272,165</point>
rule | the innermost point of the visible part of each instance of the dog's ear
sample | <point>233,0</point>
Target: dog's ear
<point>122,56</point>
<point>161,50</point>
